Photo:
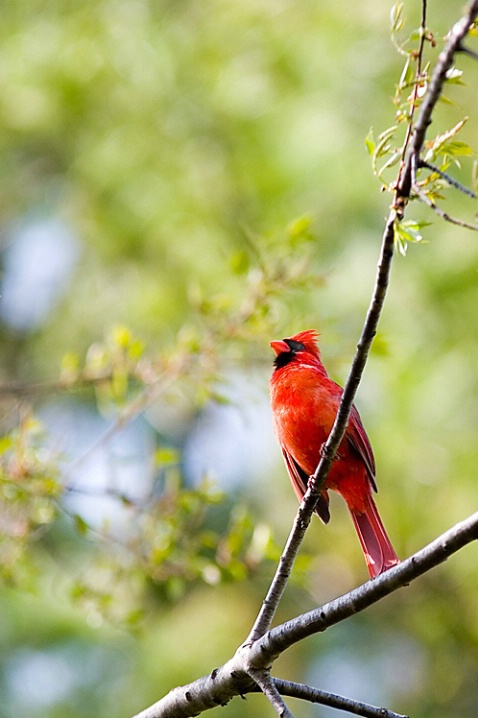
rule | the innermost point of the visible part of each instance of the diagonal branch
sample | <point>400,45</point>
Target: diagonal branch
<point>364,596</point>
<point>269,688</point>
<point>441,213</point>
<point>468,51</point>
<point>233,678</point>
<point>315,695</point>
<point>450,180</point>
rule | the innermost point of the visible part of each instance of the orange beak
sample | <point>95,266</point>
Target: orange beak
<point>280,346</point>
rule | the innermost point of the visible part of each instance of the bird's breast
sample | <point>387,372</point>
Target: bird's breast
<point>304,408</point>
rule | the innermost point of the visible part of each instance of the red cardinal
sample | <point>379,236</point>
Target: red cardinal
<point>304,404</point>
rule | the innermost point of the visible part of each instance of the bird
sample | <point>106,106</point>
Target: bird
<point>304,403</point>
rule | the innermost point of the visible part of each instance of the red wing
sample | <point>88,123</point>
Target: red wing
<point>357,437</point>
<point>299,480</point>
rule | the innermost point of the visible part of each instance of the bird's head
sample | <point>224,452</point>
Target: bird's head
<point>294,348</point>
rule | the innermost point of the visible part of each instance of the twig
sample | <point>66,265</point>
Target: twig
<point>315,695</point>
<point>146,398</point>
<point>233,678</point>
<point>467,51</point>
<point>82,381</point>
<point>416,85</point>
<point>269,688</point>
<point>451,180</point>
<point>444,63</point>
<point>440,212</point>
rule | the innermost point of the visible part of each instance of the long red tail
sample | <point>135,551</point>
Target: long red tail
<point>378,551</point>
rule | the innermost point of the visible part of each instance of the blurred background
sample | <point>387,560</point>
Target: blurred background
<point>182,182</point>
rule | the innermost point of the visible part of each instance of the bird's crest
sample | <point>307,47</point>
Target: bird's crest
<point>309,339</point>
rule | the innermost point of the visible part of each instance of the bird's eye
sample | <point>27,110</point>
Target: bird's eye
<point>295,346</point>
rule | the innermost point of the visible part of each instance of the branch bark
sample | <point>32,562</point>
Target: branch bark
<point>444,63</point>
<point>233,678</point>
<point>269,688</point>
<point>314,695</point>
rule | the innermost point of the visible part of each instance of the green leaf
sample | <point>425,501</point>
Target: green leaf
<point>396,17</point>
<point>370,142</point>
<point>80,524</point>
<point>6,443</point>
<point>383,145</point>
<point>415,35</point>
<point>474,176</point>
<point>70,365</point>
<point>166,455</point>
<point>446,144</point>
<point>391,162</point>
<point>135,349</point>
<point>300,230</point>
<point>456,148</point>
<point>382,148</point>
<point>406,232</point>
<point>239,262</point>
<point>121,336</point>
<point>406,78</point>
<point>78,590</point>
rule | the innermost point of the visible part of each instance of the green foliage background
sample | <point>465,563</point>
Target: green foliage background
<point>210,158</point>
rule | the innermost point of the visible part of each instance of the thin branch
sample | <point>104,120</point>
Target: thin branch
<point>416,84</point>
<point>315,695</point>
<point>444,63</point>
<point>269,689</point>
<point>364,596</point>
<point>440,212</point>
<point>467,51</point>
<point>233,678</point>
<point>145,399</point>
<point>451,180</point>
<point>79,382</point>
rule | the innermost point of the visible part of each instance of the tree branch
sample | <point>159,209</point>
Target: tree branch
<point>444,63</point>
<point>440,212</point>
<point>450,180</point>
<point>269,688</point>
<point>282,637</point>
<point>315,695</point>
<point>233,678</point>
